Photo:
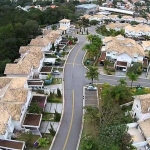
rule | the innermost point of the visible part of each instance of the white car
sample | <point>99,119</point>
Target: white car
<point>56,72</point>
<point>91,88</point>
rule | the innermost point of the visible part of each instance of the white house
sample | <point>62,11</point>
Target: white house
<point>43,42</point>
<point>29,65</point>
<point>116,26</point>
<point>14,101</point>
<point>141,107</point>
<point>64,25</point>
<point>137,30</point>
<point>122,51</point>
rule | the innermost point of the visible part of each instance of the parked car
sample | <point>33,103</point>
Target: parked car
<point>56,72</point>
<point>91,88</point>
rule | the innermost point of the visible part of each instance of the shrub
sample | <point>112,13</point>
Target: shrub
<point>58,93</point>
<point>52,131</point>
<point>57,116</point>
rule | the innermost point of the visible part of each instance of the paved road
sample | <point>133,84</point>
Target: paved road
<point>74,80</point>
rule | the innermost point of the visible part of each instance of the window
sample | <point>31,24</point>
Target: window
<point>108,52</point>
<point>137,106</point>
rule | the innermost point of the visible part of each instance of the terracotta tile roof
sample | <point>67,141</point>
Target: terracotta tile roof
<point>29,60</point>
<point>24,49</point>
<point>137,28</point>
<point>140,19</point>
<point>13,99</point>
<point>16,91</point>
<point>40,41</point>
<point>65,20</point>
<point>123,45</point>
<point>86,16</point>
<point>116,25</point>
<point>113,16</point>
<point>4,81</point>
<point>127,17</point>
<point>63,28</point>
<point>145,102</point>
<point>144,125</point>
<point>146,43</point>
<point>4,115</point>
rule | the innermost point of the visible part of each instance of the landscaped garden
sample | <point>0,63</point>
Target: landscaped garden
<point>34,142</point>
<point>56,81</point>
<point>55,98</point>
<point>104,32</point>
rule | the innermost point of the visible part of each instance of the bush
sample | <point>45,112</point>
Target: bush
<point>52,131</point>
<point>57,116</point>
<point>59,93</point>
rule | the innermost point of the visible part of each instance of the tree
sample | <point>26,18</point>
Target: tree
<point>133,77</point>
<point>122,81</point>
<point>92,73</point>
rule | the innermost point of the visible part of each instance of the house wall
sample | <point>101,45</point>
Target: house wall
<point>64,24</point>
<point>136,109</point>
<point>125,58</point>
<point>17,124</point>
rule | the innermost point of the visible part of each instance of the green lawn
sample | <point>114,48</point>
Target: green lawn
<point>53,98</point>
<point>56,81</point>
<point>29,138</point>
<point>47,116</point>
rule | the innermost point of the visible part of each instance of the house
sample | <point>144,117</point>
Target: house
<point>140,20</point>
<point>29,65</point>
<point>14,101</point>
<point>113,17</point>
<point>137,30</point>
<point>53,35</point>
<point>64,25</point>
<point>122,51</point>
<point>41,41</point>
<point>116,26</point>
<point>146,45</point>
<point>127,18</point>
<point>141,107</point>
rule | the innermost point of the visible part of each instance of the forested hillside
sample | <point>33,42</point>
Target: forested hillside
<point>18,27</point>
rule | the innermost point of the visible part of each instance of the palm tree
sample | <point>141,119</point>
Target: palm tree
<point>92,73</point>
<point>91,49</point>
<point>133,77</point>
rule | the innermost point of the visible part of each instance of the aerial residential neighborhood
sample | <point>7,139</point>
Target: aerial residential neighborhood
<point>74,75</point>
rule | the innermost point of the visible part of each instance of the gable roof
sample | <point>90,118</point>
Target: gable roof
<point>65,20</point>
<point>123,45</point>
<point>30,59</point>
<point>146,43</point>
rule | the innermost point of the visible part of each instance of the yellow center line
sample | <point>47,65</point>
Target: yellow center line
<point>70,121</point>
<point>77,53</point>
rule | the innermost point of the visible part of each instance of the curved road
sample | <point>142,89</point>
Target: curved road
<point>74,80</point>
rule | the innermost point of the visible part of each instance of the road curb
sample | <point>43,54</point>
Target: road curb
<point>80,135</point>
<point>63,98</point>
